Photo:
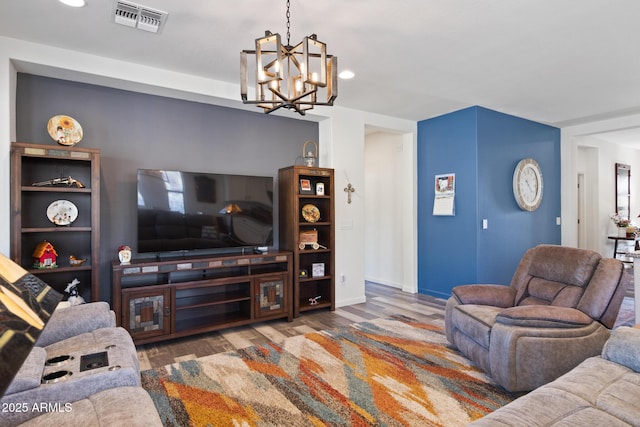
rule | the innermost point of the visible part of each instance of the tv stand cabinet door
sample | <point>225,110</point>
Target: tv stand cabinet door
<point>146,313</point>
<point>272,296</point>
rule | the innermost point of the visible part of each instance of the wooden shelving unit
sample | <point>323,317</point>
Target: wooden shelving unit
<point>34,163</point>
<point>171,298</point>
<point>307,285</point>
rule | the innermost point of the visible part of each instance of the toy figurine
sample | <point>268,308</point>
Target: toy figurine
<point>45,255</point>
<point>72,289</point>
<point>124,254</point>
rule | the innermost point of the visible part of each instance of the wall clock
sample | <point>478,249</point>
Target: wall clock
<point>527,184</point>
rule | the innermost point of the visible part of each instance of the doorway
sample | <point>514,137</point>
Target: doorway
<point>389,195</point>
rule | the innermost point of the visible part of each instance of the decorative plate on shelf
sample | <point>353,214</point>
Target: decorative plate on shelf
<point>64,130</point>
<point>62,212</point>
<point>310,213</point>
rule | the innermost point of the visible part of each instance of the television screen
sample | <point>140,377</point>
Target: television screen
<point>185,211</point>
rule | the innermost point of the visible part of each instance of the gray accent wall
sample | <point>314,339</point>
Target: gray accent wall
<point>139,131</point>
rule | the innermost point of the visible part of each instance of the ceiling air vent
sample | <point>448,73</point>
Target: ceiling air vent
<point>138,16</point>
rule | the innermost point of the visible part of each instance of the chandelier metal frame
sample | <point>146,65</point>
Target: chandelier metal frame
<point>294,77</point>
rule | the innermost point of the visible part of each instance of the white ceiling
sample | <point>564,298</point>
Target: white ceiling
<point>559,62</point>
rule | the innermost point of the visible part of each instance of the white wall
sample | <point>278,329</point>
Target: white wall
<point>383,209</point>
<point>599,169</point>
<point>341,134</point>
<point>584,152</point>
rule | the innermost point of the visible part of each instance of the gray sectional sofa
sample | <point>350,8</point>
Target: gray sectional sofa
<point>601,391</point>
<point>82,371</point>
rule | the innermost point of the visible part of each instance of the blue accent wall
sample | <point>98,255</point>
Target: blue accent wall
<point>482,147</point>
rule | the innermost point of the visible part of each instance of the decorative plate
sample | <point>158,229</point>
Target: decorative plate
<point>310,213</point>
<point>64,130</point>
<point>62,212</point>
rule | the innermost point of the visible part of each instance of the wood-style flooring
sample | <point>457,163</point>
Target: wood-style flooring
<point>382,301</point>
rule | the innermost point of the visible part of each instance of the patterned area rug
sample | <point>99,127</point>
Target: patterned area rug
<point>386,372</point>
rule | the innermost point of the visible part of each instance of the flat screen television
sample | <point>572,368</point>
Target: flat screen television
<point>189,211</point>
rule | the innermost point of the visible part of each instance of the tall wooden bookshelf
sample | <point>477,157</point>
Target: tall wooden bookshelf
<point>307,229</point>
<point>35,164</point>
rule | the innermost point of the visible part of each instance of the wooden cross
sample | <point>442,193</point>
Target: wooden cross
<point>349,189</point>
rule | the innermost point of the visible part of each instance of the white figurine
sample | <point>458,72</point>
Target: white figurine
<point>72,290</point>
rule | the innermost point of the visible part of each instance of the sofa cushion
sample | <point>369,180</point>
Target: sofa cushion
<point>30,372</point>
<point>76,320</point>
<point>122,406</point>
<point>95,341</point>
<point>476,321</point>
<point>74,385</point>
<point>562,264</point>
<point>542,316</point>
<point>495,295</point>
<point>595,393</point>
<point>623,347</point>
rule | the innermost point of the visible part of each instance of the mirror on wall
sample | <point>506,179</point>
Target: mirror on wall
<point>623,190</point>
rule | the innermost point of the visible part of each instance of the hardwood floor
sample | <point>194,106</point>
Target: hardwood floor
<point>382,301</point>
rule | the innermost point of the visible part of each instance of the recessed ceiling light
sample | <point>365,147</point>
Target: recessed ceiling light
<point>73,3</point>
<point>346,74</point>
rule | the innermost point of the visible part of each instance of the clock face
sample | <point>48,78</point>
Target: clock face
<point>527,184</point>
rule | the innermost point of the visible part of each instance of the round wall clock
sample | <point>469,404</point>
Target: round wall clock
<point>527,184</point>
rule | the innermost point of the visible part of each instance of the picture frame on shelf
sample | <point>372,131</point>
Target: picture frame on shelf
<point>320,189</point>
<point>317,269</point>
<point>305,186</point>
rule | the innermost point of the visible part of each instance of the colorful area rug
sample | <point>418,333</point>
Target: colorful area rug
<point>386,372</point>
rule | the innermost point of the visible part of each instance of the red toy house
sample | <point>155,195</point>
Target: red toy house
<point>45,255</point>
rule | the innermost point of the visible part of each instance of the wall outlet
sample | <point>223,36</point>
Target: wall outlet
<point>485,224</point>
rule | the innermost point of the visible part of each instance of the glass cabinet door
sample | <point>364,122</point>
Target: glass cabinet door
<point>270,295</point>
<point>146,313</point>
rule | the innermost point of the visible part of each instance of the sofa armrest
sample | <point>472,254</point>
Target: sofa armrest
<point>543,316</point>
<point>30,373</point>
<point>494,295</point>
<point>75,320</point>
<point>623,347</point>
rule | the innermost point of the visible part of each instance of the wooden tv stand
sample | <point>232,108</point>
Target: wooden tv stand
<point>177,297</point>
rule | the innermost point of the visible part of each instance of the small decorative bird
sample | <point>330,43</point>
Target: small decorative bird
<point>76,262</point>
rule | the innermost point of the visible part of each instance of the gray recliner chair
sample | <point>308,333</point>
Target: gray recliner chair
<point>556,312</point>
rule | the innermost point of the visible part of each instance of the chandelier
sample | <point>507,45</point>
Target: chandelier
<point>294,77</point>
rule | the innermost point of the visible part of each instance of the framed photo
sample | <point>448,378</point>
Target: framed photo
<point>317,269</point>
<point>320,189</point>
<point>305,186</point>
